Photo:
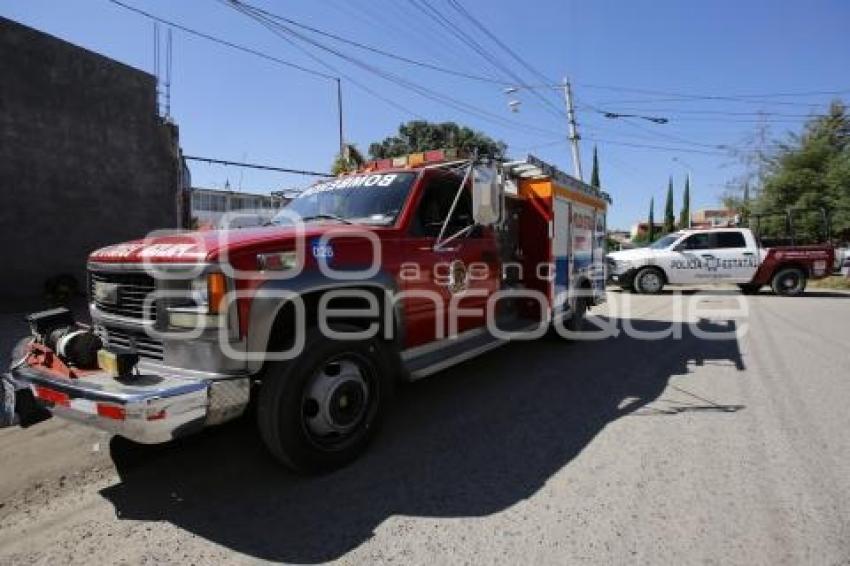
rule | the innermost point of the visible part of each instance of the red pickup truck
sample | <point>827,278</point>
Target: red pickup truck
<point>405,268</point>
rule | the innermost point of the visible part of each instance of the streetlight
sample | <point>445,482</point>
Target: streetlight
<point>572,136</point>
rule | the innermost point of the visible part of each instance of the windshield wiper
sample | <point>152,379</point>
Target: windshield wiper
<point>328,217</point>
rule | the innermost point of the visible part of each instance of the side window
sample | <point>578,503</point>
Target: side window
<point>435,205</point>
<point>697,242</point>
<point>730,240</point>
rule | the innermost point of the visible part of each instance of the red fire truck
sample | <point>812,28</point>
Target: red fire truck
<point>404,268</point>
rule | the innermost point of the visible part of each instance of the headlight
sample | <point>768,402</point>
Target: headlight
<point>620,266</point>
<point>201,291</point>
<point>208,294</point>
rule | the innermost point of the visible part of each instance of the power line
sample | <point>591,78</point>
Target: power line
<point>722,97</point>
<point>680,96</point>
<point>657,147</point>
<point>759,113</point>
<point>378,51</point>
<point>429,10</point>
<point>343,75</point>
<point>525,64</point>
<point>279,29</point>
<point>594,138</point>
<point>673,96</point>
<point>630,123</point>
<point>221,41</point>
<point>255,166</point>
<point>712,98</point>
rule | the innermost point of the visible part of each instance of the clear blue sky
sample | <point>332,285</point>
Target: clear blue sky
<point>236,106</point>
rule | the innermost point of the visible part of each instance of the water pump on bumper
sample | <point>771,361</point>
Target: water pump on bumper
<point>56,330</point>
<point>75,345</point>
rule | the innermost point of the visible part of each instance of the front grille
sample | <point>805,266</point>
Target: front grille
<point>138,341</point>
<point>133,288</point>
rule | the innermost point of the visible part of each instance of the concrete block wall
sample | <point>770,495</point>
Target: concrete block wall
<point>85,160</point>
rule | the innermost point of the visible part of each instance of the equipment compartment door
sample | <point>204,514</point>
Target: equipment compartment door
<point>562,252</point>
<point>583,225</point>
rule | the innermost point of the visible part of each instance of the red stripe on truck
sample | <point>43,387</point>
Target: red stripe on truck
<point>52,396</point>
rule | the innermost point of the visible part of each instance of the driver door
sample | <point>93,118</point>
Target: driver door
<point>463,272</point>
<point>690,258</point>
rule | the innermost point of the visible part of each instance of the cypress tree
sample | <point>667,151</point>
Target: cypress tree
<point>685,216</point>
<point>651,230</point>
<point>669,215</point>
<point>594,176</point>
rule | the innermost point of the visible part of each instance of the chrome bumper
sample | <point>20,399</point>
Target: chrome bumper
<point>156,406</point>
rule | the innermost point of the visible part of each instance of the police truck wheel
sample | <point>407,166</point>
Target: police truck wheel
<point>319,411</point>
<point>649,281</point>
<point>789,282</point>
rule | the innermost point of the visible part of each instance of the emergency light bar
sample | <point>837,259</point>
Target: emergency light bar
<point>411,160</point>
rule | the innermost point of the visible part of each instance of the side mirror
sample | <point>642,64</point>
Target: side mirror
<point>486,195</point>
<point>679,248</point>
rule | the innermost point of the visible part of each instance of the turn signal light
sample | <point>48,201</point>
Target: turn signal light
<point>217,289</point>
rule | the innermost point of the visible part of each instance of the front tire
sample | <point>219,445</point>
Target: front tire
<point>319,411</point>
<point>789,282</point>
<point>649,281</point>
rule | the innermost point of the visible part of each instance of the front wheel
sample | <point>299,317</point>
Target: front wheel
<point>319,411</point>
<point>789,282</point>
<point>649,281</point>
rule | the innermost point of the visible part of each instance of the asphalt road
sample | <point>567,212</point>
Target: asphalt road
<point>678,450</point>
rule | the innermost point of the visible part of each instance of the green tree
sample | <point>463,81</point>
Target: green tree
<point>348,161</point>
<point>594,175</point>
<point>419,135</point>
<point>651,228</point>
<point>806,170</point>
<point>813,170</point>
<point>685,215</point>
<point>669,215</point>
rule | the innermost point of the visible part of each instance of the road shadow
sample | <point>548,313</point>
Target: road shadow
<point>823,294</point>
<point>684,291</point>
<point>810,293</point>
<point>469,442</point>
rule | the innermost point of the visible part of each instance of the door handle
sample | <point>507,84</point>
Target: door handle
<point>708,256</point>
<point>748,253</point>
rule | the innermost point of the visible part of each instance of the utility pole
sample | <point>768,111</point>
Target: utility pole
<point>339,109</point>
<point>573,137</point>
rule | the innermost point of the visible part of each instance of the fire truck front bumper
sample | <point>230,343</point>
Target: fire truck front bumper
<point>156,406</point>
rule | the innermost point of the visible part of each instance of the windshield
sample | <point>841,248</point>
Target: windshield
<point>665,242</point>
<point>366,199</point>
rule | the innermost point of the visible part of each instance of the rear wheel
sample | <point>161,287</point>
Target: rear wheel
<point>749,288</point>
<point>319,411</point>
<point>649,281</point>
<point>575,323</point>
<point>789,282</point>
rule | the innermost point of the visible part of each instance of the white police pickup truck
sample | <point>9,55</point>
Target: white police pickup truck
<point>722,255</point>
